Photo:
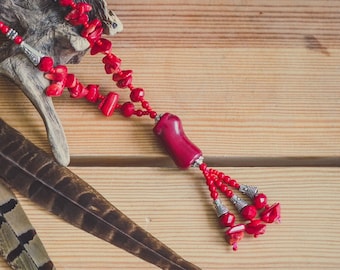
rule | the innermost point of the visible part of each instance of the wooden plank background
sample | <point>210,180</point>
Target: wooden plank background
<point>256,84</point>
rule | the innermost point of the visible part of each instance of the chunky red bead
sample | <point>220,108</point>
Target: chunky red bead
<point>256,228</point>
<point>170,131</point>
<point>260,200</point>
<point>271,214</point>
<point>227,219</point>
<point>93,93</point>
<point>109,104</point>
<point>112,63</point>
<point>71,81</point>
<point>102,45</point>
<point>78,91</point>
<point>123,78</point>
<point>93,31</point>
<point>54,90</point>
<point>249,212</point>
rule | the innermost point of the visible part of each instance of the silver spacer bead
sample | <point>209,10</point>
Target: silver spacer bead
<point>238,202</point>
<point>250,191</point>
<point>11,34</point>
<point>221,209</point>
<point>198,162</point>
<point>32,54</point>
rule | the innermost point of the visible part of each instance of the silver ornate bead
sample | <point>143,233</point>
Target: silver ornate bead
<point>221,209</point>
<point>238,202</point>
<point>250,191</point>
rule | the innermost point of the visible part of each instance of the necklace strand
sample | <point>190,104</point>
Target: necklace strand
<point>168,126</point>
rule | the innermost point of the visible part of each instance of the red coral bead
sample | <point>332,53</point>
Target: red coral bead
<point>128,109</point>
<point>112,63</point>
<point>54,90</point>
<point>101,46</point>
<point>109,104</point>
<point>5,29</point>
<point>65,3</point>
<point>227,220</point>
<point>121,75</point>
<point>93,93</point>
<point>46,64</point>
<point>249,212</point>
<point>18,40</point>
<point>137,94</point>
<point>93,31</point>
<point>78,91</point>
<point>260,200</point>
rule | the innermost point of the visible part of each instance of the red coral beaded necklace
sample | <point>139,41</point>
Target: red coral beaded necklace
<point>168,127</point>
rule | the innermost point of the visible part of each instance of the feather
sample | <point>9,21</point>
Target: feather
<point>19,243</point>
<point>37,176</point>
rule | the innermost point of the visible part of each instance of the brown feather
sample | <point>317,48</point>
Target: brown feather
<point>36,175</point>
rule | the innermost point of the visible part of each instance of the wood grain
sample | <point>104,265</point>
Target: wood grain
<point>256,83</point>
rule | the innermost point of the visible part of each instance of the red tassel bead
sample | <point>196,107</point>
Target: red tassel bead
<point>260,200</point>
<point>109,104</point>
<point>235,235</point>
<point>227,220</point>
<point>256,228</point>
<point>271,214</point>
<point>249,212</point>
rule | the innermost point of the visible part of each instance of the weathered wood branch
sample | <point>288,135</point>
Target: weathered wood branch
<point>42,24</point>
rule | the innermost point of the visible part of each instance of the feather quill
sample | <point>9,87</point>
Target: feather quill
<point>32,172</point>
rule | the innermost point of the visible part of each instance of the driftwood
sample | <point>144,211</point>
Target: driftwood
<point>42,24</point>
<point>37,176</point>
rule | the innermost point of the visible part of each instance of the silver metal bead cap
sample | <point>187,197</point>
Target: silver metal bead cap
<point>250,191</point>
<point>221,209</point>
<point>32,54</point>
<point>238,202</point>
